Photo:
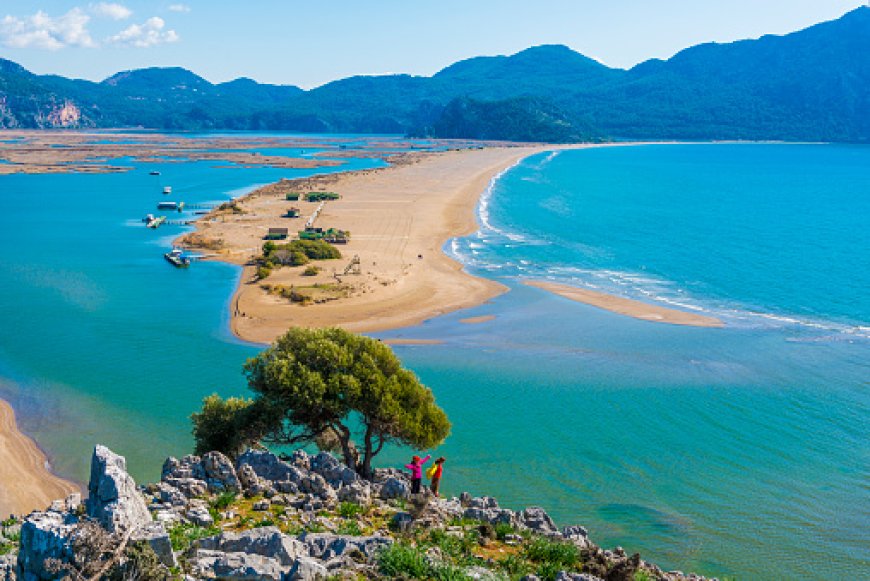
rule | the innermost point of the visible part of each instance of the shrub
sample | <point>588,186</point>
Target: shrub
<point>263,272</point>
<point>502,530</point>
<point>403,560</point>
<point>349,509</point>
<point>182,535</point>
<point>311,271</point>
<point>559,554</point>
<point>219,425</point>
<point>223,500</point>
<point>350,527</point>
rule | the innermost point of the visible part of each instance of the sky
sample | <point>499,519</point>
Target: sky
<point>311,42</point>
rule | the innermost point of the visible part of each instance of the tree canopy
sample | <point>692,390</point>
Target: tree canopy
<point>328,384</point>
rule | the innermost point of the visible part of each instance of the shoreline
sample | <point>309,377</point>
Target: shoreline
<point>400,218</point>
<point>627,307</point>
<point>27,482</point>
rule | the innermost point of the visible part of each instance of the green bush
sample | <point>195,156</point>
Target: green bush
<point>183,535</point>
<point>502,530</point>
<point>221,425</point>
<point>311,271</point>
<point>263,272</point>
<point>545,551</point>
<point>349,509</point>
<point>350,527</point>
<point>403,560</point>
<point>223,500</point>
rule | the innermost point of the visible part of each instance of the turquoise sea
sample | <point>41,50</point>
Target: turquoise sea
<point>742,451</point>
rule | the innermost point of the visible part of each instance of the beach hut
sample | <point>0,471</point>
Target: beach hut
<point>293,213</point>
<point>277,234</point>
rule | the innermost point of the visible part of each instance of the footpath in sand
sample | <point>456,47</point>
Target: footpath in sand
<point>25,482</point>
<point>399,218</point>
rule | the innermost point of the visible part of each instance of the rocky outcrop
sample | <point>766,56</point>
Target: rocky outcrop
<point>44,535</point>
<point>197,495</point>
<point>113,498</point>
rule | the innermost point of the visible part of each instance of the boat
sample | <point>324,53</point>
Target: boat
<point>154,172</point>
<point>177,259</point>
<point>155,222</point>
<point>167,205</point>
<point>167,190</point>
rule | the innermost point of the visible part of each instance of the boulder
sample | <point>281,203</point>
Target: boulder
<point>199,515</point>
<point>565,576</point>
<point>170,495</point>
<point>333,471</point>
<point>357,492</point>
<point>188,467</point>
<point>481,574</point>
<point>264,541</point>
<point>157,537</point>
<point>401,522</point>
<point>268,467</point>
<point>483,502</point>
<point>537,519</point>
<point>307,570</point>
<point>113,498</point>
<point>395,488</point>
<point>326,546</point>
<point>7,567</point>
<point>189,487</point>
<point>491,515</point>
<point>243,566</point>
<point>44,535</point>
<point>220,475</point>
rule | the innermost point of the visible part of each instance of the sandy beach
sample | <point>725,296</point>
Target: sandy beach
<point>628,307</point>
<point>27,484</point>
<point>399,217</point>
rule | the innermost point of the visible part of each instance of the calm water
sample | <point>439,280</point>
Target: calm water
<point>739,451</point>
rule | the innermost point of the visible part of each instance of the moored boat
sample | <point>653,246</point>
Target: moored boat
<point>154,172</point>
<point>167,190</point>
<point>177,259</point>
<point>154,222</point>
<point>167,205</point>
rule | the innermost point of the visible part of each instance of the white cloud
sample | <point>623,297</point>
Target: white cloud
<point>179,8</point>
<point>46,32</point>
<point>149,33</point>
<point>111,10</point>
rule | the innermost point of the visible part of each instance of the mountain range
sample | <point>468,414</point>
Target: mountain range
<point>809,85</point>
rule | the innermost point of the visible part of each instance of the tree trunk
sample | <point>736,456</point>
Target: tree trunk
<point>351,457</point>
<point>366,471</point>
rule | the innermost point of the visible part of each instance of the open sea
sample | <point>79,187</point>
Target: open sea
<point>742,451</point>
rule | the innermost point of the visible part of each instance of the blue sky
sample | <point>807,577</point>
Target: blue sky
<point>311,42</point>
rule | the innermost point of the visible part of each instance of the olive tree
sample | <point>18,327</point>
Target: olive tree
<point>330,385</point>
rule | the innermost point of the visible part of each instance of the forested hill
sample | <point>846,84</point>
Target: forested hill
<point>808,85</point>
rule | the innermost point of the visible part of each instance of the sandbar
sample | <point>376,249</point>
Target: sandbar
<point>27,483</point>
<point>628,307</point>
<point>400,218</point>
<point>477,320</point>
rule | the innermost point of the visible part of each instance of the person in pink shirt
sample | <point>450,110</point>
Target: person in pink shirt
<point>416,468</point>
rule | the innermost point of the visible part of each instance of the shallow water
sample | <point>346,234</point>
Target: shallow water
<point>739,451</point>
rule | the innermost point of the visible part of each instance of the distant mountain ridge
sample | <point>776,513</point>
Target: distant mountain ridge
<point>809,85</point>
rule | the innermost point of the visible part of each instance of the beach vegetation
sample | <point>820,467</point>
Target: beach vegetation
<point>263,271</point>
<point>349,509</point>
<point>182,535</point>
<point>222,424</point>
<point>296,253</point>
<point>311,381</point>
<point>311,271</point>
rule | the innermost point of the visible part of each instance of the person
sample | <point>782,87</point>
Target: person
<point>416,468</point>
<point>434,474</point>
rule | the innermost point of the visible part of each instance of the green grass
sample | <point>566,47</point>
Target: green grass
<point>223,501</point>
<point>349,509</point>
<point>183,535</point>
<point>349,528</point>
<point>403,560</point>
<point>547,552</point>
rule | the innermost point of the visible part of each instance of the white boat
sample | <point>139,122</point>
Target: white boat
<point>177,259</point>
<point>167,190</point>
